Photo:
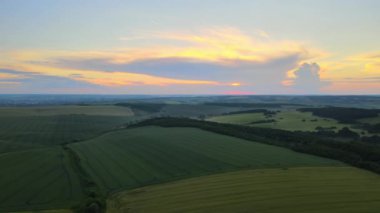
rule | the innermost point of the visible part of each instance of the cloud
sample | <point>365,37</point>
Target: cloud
<point>358,66</point>
<point>221,44</point>
<point>188,68</point>
<point>8,76</point>
<point>307,79</point>
<point>31,82</point>
<point>130,79</point>
<point>216,59</point>
<point>355,74</point>
<point>369,61</point>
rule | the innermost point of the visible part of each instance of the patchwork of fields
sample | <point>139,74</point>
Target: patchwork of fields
<point>303,121</point>
<point>141,156</point>
<point>132,158</point>
<point>295,190</point>
<point>291,120</point>
<point>57,158</point>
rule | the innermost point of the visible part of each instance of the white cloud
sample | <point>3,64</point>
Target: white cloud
<point>307,79</point>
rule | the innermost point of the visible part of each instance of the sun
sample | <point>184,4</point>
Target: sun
<point>235,84</point>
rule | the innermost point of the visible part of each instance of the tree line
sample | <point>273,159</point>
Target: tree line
<point>342,114</point>
<point>252,105</point>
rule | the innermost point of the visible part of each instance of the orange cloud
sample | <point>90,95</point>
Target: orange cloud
<point>9,76</point>
<point>125,79</point>
<point>107,78</point>
<point>370,62</point>
<point>224,44</point>
<point>217,45</point>
<point>366,65</point>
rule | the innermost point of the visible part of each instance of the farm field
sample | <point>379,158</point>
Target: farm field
<point>200,106</point>
<point>132,158</point>
<point>195,110</point>
<point>49,211</point>
<point>63,158</point>
<point>374,120</point>
<point>295,190</point>
<point>291,120</point>
<point>53,130</point>
<point>100,110</point>
<point>303,121</point>
<point>241,119</point>
<point>38,179</point>
<point>35,127</point>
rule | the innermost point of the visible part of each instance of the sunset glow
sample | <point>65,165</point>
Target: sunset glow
<point>211,54</point>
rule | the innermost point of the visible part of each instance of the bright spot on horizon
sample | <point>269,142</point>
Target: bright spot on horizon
<point>235,84</point>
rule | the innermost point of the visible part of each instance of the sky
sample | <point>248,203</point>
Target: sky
<point>239,47</point>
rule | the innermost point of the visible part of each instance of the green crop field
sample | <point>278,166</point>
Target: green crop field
<point>287,120</point>
<point>100,110</point>
<point>303,121</point>
<point>241,119</point>
<point>34,127</point>
<point>374,120</point>
<point>38,179</point>
<point>136,157</point>
<point>51,130</point>
<point>46,178</point>
<point>295,190</point>
<point>195,110</point>
<point>49,211</point>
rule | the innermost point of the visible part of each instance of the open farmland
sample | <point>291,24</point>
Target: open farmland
<point>196,110</point>
<point>373,120</point>
<point>291,120</point>
<point>49,211</point>
<point>54,160</point>
<point>241,118</point>
<point>100,110</point>
<point>295,190</point>
<point>136,157</point>
<point>303,121</point>
<point>197,106</point>
<point>24,128</point>
<point>38,179</point>
<point>58,129</point>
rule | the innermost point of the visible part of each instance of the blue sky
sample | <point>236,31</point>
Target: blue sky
<point>192,47</point>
